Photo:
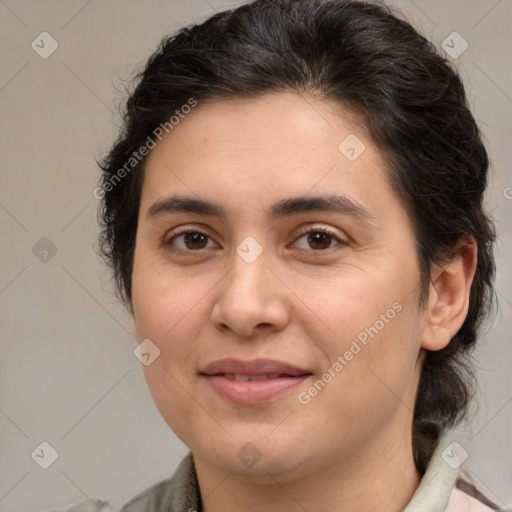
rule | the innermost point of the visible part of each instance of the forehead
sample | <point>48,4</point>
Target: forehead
<point>249,152</point>
<point>277,121</point>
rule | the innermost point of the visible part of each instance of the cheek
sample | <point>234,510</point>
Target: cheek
<point>356,307</point>
<point>167,311</point>
<point>373,336</point>
<point>366,384</point>
<point>160,299</point>
<point>170,309</point>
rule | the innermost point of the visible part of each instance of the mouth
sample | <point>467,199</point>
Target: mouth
<point>252,382</point>
<point>244,378</point>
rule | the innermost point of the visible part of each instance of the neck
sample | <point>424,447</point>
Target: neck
<point>381,477</point>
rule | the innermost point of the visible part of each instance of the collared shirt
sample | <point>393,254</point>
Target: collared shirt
<point>436,493</point>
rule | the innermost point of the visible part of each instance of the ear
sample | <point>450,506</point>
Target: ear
<point>448,301</point>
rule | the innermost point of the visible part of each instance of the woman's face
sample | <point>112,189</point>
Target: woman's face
<point>308,283</point>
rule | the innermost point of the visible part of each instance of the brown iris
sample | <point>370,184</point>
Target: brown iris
<point>195,240</point>
<point>319,240</point>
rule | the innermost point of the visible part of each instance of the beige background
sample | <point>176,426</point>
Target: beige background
<point>68,375</point>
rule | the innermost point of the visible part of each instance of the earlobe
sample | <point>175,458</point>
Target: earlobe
<point>448,301</point>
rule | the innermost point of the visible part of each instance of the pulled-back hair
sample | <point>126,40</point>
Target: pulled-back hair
<point>366,57</point>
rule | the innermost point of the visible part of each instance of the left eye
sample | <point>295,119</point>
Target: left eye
<point>319,239</point>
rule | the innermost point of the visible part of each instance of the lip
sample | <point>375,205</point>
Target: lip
<point>254,367</point>
<point>252,392</point>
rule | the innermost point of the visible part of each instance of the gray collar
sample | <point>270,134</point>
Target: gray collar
<point>434,491</point>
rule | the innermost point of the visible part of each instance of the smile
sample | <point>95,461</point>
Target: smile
<point>252,382</point>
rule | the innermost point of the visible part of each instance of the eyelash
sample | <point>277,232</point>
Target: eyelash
<point>169,241</point>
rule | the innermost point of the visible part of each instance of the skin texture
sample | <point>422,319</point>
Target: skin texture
<point>349,447</point>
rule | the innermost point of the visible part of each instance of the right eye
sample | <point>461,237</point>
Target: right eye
<point>190,240</point>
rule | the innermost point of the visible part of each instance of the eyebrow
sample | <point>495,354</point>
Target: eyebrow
<point>283,208</point>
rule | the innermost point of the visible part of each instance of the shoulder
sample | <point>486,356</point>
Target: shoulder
<point>180,492</point>
<point>155,498</point>
<point>462,502</point>
<point>87,505</point>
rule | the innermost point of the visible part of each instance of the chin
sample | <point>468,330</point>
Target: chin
<point>261,457</point>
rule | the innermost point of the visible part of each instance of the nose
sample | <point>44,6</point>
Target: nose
<point>251,299</point>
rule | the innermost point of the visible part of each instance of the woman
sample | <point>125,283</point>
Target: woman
<point>293,215</point>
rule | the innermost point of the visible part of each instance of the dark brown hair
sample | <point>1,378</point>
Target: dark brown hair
<point>363,55</point>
